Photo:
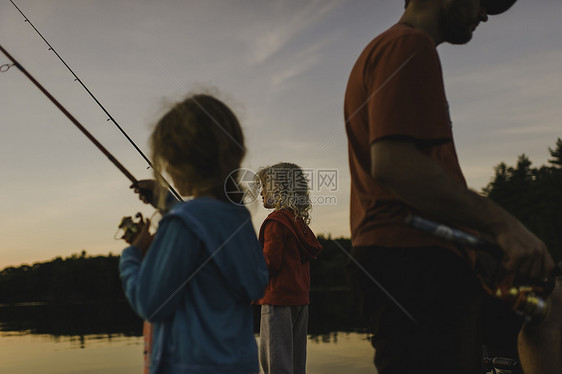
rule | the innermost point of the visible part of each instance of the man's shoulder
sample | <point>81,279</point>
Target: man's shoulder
<point>396,47</point>
<point>404,35</point>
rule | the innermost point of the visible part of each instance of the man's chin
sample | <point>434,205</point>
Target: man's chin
<point>459,39</point>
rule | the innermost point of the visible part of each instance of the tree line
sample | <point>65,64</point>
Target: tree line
<point>81,278</point>
<point>78,278</point>
<point>533,195</point>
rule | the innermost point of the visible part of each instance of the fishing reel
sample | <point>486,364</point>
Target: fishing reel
<point>129,228</point>
<point>526,297</point>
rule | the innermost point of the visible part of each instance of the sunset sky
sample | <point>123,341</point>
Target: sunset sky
<point>282,65</point>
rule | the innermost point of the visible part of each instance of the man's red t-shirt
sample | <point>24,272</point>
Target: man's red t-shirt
<point>395,90</point>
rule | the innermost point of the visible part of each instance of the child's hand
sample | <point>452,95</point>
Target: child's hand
<point>148,191</point>
<point>144,238</point>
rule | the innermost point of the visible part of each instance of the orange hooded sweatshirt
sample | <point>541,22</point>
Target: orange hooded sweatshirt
<point>288,246</point>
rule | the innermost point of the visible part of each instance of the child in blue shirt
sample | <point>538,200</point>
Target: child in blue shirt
<point>195,279</point>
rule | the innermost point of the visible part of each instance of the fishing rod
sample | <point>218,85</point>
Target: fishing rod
<point>111,158</point>
<point>110,117</point>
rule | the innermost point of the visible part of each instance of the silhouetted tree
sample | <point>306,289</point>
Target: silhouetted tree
<point>328,271</point>
<point>75,279</point>
<point>556,154</point>
<point>533,195</point>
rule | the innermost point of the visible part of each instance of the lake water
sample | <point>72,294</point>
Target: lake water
<point>106,339</point>
<point>26,353</point>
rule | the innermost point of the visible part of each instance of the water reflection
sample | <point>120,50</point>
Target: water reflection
<point>92,338</point>
<point>334,310</point>
<point>76,320</point>
<point>25,353</point>
<point>329,311</point>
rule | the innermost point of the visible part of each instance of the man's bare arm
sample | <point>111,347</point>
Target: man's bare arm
<point>417,180</point>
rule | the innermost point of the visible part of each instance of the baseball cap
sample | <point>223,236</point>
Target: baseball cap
<point>494,7</point>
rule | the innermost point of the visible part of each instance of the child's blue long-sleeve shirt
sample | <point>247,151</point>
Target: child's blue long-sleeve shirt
<point>195,285</point>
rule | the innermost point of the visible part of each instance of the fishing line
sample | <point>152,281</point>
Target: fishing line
<point>67,114</point>
<point>110,117</point>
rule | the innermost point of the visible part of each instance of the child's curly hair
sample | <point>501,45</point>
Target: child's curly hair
<point>199,143</point>
<point>288,186</point>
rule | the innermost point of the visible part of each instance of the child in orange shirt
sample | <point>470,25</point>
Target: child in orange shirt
<point>288,246</point>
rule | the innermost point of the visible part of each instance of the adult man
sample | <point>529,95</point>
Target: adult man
<point>403,160</point>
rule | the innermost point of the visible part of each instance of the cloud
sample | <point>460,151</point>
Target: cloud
<point>300,63</point>
<point>287,25</point>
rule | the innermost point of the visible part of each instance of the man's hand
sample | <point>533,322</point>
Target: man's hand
<point>525,254</point>
<point>420,182</point>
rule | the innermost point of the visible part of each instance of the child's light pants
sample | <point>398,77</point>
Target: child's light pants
<point>283,339</point>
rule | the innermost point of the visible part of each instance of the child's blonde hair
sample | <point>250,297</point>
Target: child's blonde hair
<point>200,144</point>
<point>288,185</point>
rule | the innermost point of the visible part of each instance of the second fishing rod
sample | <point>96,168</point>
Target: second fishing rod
<point>5,67</point>
<point>110,117</point>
